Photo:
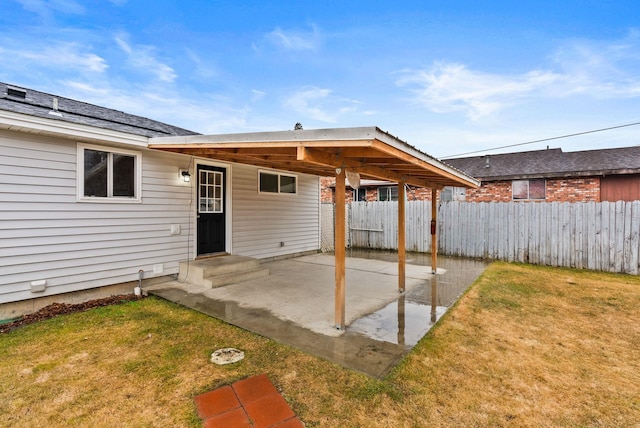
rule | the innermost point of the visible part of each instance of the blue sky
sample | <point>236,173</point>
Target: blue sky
<point>448,77</point>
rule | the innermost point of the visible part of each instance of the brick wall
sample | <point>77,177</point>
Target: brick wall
<point>557,190</point>
<point>326,189</point>
<point>574,190</point>
<point>492,191</point>
<point>419,194</point>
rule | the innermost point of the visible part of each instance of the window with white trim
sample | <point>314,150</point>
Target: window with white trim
<point>360,194</point>
<point>388,193</point>
<point>529,189</point>
<point>276,182</point>
<point>108,174</point>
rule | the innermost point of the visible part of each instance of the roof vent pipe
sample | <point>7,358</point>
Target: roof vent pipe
<point>487,163</point>
<point>54,111</point>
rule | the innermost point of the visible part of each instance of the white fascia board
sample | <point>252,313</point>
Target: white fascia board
<point>38,125</point>
<point>330,134</point>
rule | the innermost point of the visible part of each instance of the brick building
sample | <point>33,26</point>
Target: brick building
<point>549,175</point>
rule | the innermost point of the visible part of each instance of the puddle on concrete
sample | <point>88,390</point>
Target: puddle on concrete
<point>406,321</point>
<point>397,323</point>
<point>372,344</point>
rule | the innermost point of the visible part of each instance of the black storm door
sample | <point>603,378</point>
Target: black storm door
<point>211,209</point>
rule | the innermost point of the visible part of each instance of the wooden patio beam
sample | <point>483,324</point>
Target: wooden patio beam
<point>323,158</point>
<point>410,159</point>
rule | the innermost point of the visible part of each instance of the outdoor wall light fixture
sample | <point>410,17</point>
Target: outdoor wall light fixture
<point>184,174</point>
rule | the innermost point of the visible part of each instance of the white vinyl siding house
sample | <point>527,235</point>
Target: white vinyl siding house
<point>70,222</point>
<point>262,221</point>
<point>46,234</point>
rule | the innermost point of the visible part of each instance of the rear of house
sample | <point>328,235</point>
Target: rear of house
<point>549,175</point>
<point>553,175</point>
<point>85,204</point>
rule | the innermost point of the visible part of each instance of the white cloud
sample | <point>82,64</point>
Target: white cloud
<point>602,69</point>
<point>57,55</point>
<point>45,8</point>
<point>142,58</point>
<point>451,87</point>
<point>295,40</point>
<point>202,69</point>
<point>204,113</point>
<point>320,104</point>
<point>584,68</point>
<point>257,95</point>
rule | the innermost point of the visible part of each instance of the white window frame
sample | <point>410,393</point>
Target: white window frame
<point>108,199</point>
<point>356,193</point>
<point>387,190</point>
<point>528,182</point>
<point>279,175</point>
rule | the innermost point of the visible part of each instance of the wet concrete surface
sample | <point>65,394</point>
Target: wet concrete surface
<point>295,305</point>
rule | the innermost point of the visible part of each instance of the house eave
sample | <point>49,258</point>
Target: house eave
<point>572,174</point>
<point>36,125</point>
<point>375,153</point>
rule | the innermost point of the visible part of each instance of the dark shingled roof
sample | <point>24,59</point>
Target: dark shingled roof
<point>40,104</point>
<point>550,163</point>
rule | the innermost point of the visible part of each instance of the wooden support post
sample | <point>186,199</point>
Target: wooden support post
<point>434,228</point>
<point>402,257</point>
<point>339,245</point>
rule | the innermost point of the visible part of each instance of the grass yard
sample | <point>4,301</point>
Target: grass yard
<point>525,346</point>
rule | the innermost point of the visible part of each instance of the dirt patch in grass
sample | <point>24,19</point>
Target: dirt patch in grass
<point>525,346</point>
<point>56,309</point>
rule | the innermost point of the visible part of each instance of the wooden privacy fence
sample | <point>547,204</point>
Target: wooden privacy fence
<point>592,235</point>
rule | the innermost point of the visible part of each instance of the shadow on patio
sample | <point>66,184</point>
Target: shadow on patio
<point>295,304</point>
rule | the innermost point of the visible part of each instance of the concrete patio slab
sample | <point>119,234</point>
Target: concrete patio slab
<point>295,305</point>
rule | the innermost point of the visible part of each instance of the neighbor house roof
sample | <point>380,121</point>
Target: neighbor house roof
<point>550,163</point>
<point>21,100</point>
<point>368,151</point>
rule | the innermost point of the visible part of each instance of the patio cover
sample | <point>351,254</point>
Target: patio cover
<point>368,151</point>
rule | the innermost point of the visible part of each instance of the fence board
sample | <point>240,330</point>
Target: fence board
<point>602,236</point>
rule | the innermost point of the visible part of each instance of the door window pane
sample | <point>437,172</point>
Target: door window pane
<point>211,192</point>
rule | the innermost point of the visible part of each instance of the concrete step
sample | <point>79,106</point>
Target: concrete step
<point>235,277</point>
<point>223,270</point>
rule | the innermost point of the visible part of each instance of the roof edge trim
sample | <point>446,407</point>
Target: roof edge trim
<point>18,121</point>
